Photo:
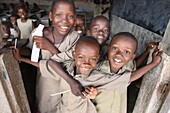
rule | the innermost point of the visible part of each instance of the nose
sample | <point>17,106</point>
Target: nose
<point>65,19</point>
<point>119,52</point>
<point>100,31</point>
<point>86,61</point>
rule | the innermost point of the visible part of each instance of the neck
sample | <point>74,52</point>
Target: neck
<point>113,70</point>
<point>57,37</point>
<point>23,20</point>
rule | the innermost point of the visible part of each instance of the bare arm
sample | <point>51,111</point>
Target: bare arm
<point>156,59</point>
<point>45,44</point>
<point>17,56</point>
<point>145,54</point>
<point>75,86</point>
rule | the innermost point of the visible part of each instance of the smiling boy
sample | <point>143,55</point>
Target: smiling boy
<point>121,52</point>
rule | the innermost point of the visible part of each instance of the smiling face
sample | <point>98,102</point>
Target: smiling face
<point>22,13</point>
<point>121,51</point>
<point>100,29</point>
<point>80,27</point>
<point>86,57</point>
<point>63,17</point>
<point>13,20</point>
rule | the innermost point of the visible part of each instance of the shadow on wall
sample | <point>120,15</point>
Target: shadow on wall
<point>150,14</point>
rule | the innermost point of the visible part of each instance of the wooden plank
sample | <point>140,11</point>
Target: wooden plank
<point>150,97</point>
<point>166,105</point>
<point>12,85</point>
<point>165,43</point>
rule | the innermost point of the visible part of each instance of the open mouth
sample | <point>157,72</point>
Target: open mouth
<point>85,69</point>
<point>117,60</point>
<point>100,37</point>
<point>64,28</point>
<point>79,31</point>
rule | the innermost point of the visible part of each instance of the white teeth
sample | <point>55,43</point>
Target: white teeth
<point>86,69</point>
<point>22,16</point>
<point>79,32</point>
<point>117,60</point>
<point>64,27</point>
<point>100,37</point>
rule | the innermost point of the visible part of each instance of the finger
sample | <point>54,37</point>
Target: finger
<point>88,90</point>
<point>82,95</point>
<point>160,53</point>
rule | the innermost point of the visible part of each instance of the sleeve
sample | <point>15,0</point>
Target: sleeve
<point>67,54</point>
<point>47,71</point>
<point>106,82</point>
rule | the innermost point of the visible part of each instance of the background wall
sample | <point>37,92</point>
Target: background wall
<point>150,14</point>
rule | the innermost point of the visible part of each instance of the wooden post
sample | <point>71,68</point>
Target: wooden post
<point>153,92</point>
<point>166,105</point>
<point>13,97</point>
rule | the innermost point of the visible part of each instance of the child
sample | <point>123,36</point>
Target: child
<point>59,42</point>
<point>25,25</point>
<point>100,29</point>
<point>14,30</point>
<point>86,56</point>
<point>6,29</point>
<point>121,51</point>
<point>80,26</point>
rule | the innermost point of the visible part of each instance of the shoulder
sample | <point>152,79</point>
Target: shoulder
<point>74,35</point>
<point>47,33</point>
<point>19,20</point>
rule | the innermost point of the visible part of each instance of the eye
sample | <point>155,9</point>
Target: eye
<point>106,31</point>
<point>70,16</point>
<point>82,25</point>
<point>80,57</point>
<point>126,52</point>
<point>114,48</point>
<point>58,15</point>
<point>96,29</point>
<point>94,59</point>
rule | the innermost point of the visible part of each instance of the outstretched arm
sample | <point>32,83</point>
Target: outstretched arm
<point>145,54</point>
<point>156,59</point>
<point>75,86</point>
<point>17,56</point>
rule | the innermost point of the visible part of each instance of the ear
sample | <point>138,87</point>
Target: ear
<point>133,57</point>
<point>73,53</point>
<point>88,32</point>
<point>50,16</point>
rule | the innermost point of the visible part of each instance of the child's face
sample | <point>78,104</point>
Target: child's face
<point>86,58</point>
<point>121,51</point>
<point>100,30</point>
<point>63,18</point>
<point>22,13</point>
<point>13,20</point>
<point>6,31</point>
<point>79,27</point>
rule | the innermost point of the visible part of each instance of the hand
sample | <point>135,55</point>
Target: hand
<point>16,54</point>
<point>152,45</point>
<point>76,88</point>
<point>156,57</point>
<point>43,43</point>
<point>90,92</point>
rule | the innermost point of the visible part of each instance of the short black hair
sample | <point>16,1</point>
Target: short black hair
<point>89,40</point>
<point>22,7</point>
<point>99,17</point>
<point>67,1</point>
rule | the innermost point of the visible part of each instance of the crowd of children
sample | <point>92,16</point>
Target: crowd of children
<point>77,70</point>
